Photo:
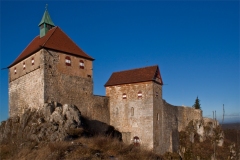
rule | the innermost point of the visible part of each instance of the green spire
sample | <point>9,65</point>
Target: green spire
<point>46,23</point>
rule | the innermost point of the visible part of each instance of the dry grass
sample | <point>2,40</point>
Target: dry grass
<point>94,148</point>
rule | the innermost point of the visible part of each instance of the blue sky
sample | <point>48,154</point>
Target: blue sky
<point>195,44</point>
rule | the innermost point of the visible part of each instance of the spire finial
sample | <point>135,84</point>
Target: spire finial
<point>46,7</point>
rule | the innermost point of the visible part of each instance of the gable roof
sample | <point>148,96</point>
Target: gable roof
<point>134,76</point>
<point>55,39</point>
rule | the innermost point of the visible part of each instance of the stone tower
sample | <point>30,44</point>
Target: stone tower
<point>51,68</point>
<point>136,105</point>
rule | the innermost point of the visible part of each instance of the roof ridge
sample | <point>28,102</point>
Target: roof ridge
<point>50,35</point>
<point>136,68</point>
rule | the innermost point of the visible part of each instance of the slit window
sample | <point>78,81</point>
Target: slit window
<point>32,60</point>
<point>15,70</point>
<point>140,94</point>
<point>158,116</point>
<point>24,66</point>
<point>68,61</point>
<point>132,111</point>
<point>124,96</point>
<point>156,94</point>
<point>81,64</point>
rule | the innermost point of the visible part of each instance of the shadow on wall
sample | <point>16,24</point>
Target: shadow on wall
<point>95,128</point>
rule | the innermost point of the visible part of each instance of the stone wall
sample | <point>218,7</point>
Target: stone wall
<point>62,85</point>
<point>170,128</point>
<point>73,85</point>
<point>99,109</point>
<point>133,115</point>
<point>158,118</point>
<point>173,120</point>
<point>185,115</point>
<point>44,76</point>
<point>26,86</point>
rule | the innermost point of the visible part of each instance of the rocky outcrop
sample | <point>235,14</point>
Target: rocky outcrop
<point>54,122</point>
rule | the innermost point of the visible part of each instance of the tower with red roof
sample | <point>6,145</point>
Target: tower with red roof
<point>51,68</point>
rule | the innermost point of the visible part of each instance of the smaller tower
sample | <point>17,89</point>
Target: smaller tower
<point>46,23</point>
<point>135,104</point>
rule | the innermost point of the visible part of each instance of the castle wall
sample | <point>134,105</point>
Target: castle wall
<point>158,118</point>
<point>99,109</point>
<point>170,128</point>
<point>185,115</point>
<point>132,116</point>
<point>26,85</point>
<point>72,85</point>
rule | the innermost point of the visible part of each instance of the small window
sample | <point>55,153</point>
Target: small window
<point>68,61</point>
<point>132,111</point>
<point>81,64</point>
<point>32,60</point>
<point>140,94</point>
<point>89,76</point>
<point>136,141</point>
<point>156,94</point>
<point>124,96</point>
<point>158,117</point>
<point>15,70</point>
<point>24,66</point>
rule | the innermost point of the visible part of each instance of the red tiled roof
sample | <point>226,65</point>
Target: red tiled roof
<point>134,76</point>
<point>55,39</point>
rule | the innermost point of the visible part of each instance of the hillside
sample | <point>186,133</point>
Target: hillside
<point>49,135</point>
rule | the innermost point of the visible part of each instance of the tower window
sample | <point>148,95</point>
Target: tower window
<point>158,117</point>
<point>140,94</point>
<point>15,70</point>
<point>124,96</point>
<point>136,141</point>
<point>156,94</point>
<point>68,61</point>
<point>24,66</point>
<point>132,111</point>
<point>32,60</point>
<point>81,64</point>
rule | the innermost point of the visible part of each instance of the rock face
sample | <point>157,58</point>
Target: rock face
<point>54,122</point>
<point>200,137</point>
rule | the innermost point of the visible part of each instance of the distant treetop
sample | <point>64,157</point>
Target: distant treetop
<point>197,105</point>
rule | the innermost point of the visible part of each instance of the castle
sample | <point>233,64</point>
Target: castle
<point>53,68</point>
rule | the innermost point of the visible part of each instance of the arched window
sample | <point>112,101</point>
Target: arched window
<point>15,70</point>
<point>124,96</point>
<point>68,61</point>
<point>32,60</point>
<point>24,65</point>
<point>81,64</point>
<point>132,111</point>
<point>140,94</point>
<point>136,141</point>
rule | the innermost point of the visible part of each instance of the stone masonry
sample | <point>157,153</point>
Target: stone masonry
<point>52,68</point>
<point>51,80</point>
